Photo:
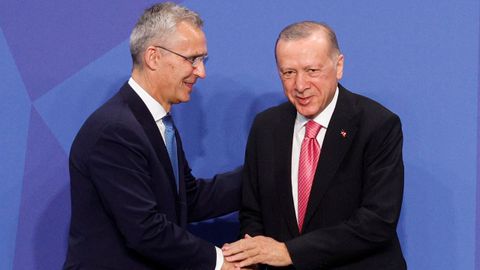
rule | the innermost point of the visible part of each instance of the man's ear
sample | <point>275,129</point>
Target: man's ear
<point>340,63</point>
<point>151,57</point>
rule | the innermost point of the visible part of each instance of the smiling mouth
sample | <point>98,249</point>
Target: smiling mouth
<point>303,100</point>
<point>189,85</point>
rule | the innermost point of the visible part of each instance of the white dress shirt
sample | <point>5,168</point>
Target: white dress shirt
<point>155,108</point>
<point>158,112</point>
<point>299,133</point>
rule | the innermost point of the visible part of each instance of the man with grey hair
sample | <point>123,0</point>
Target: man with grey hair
<point>323,179</point>
<point>132,190</point>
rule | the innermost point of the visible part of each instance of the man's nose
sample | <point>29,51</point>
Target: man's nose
<point>301,82</point>
<point>199,70</point>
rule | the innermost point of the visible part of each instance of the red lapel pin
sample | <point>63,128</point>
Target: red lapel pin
<point>343,133</point>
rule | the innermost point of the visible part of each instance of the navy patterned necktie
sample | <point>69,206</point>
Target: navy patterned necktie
<point>171,144</point>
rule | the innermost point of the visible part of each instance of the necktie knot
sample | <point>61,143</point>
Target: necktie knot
<point>311,130</point>
<point>168,121</point>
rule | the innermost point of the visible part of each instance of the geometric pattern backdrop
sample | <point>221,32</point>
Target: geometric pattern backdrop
<point>59,60</point>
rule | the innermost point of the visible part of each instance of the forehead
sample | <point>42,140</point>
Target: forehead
<point>188,36</point>
<point>311,49</point>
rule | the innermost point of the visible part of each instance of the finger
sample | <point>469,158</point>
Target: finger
<point>232,250</point>
<point>239,246</point>
<point>230,246</point>
<point>229,252</point>
<point>236,257</point>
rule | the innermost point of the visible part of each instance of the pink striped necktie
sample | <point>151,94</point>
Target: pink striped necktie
<point>307,166</point>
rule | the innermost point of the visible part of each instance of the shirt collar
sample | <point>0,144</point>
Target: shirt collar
<point>153,106</point>
<point>322,118</point>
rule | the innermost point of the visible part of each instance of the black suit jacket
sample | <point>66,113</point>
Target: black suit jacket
<point>356,195</point>
<point>126,212</point>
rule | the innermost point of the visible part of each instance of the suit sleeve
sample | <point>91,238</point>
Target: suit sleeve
<point>214,197</point>
<point>119,168</point>
<point>250,214</point>
<point>373,225</point>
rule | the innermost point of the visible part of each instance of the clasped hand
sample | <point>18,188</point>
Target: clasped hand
<point>250,251</point>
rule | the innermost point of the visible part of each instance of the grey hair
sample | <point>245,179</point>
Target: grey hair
<point>304,29</point>
<point>157,23</point>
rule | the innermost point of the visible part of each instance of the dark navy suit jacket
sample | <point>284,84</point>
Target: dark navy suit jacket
<point>356,194</point>
<point>126,211</point>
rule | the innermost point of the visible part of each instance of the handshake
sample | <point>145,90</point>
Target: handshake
<point>248,252</point>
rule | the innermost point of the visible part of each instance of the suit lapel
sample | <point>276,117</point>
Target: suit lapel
<point>144,117</point>
<point>283,166</point>
<point>340,134</point>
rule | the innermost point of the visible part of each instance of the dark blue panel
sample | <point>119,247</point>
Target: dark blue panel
<point>45,205</point>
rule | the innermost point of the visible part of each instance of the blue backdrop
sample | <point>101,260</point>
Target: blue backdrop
<point>60,59</point>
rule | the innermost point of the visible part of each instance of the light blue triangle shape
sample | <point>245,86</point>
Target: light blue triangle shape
<point>66,107</point>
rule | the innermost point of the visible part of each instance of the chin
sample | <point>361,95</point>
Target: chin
<point>185,99</point>
<point>306,112</point>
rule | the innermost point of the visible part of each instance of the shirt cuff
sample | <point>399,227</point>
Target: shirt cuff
<point>219,263</point>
